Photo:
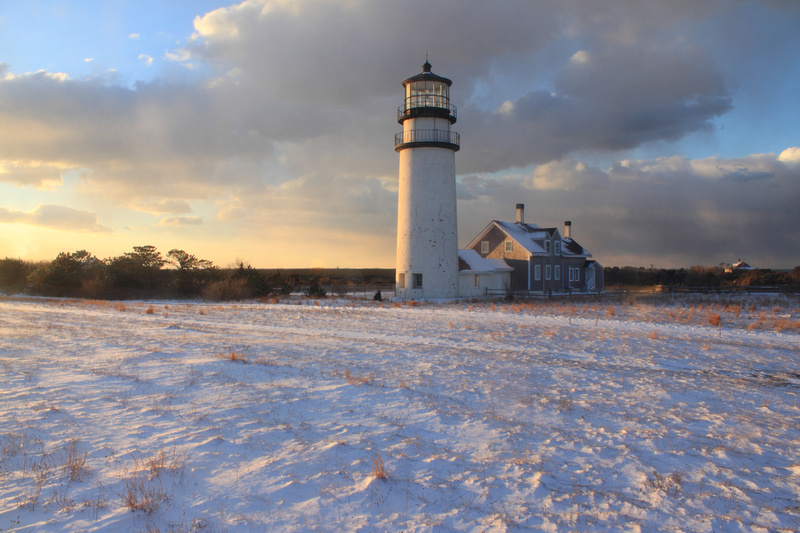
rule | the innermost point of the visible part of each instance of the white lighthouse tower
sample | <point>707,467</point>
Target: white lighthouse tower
<point>427,235</point>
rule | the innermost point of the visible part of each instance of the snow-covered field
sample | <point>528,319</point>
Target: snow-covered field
<point>360,416</point>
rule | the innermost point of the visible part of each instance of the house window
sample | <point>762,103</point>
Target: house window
<point>556,247</point>
<point>577,274</point>
<point>509,246</point>
<point>417,281</point>
<point>547,272</point>
<point>477,280</point>
<point>547,247</point>
<point>537,272</point>
<point>401,280</point>
<point>484,247</point>
<point>571,275</point>
<point>557,272</point>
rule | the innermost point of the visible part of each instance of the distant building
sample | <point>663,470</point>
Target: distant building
<point>542,259</point>
<point>739,266</point>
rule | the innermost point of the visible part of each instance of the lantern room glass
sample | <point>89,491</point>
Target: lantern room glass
<point>427,93</point>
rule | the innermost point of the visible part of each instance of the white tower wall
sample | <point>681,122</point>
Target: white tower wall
<point>427,235</point>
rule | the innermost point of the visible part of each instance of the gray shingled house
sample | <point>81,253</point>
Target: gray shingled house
<point>543,260</point>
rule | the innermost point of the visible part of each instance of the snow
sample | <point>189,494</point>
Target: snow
<point>549,416</point>
<point>480,264</point>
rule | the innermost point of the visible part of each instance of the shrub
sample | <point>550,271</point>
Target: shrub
<point>228,289</point>
<point>65,275</point>
<point>192,273</point>
<point>13,274</point>
<point>315,290</point>
<point>136,270</point>
<point>257,283</point>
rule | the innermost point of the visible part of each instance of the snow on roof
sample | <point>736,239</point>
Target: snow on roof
<point>524,235</point>
<point>527,234</point>
<point>476,263</point>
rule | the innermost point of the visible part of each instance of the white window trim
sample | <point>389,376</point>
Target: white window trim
<point>509,246</point>
<point>547,247</point>
<point>484,247</point>
<point>556,248</point>
<point>547,272</point>
<point>557,272</point>
<point>537,272</point>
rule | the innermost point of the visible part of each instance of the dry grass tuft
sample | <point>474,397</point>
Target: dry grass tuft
<point>714,319</point>
<point>143,495</point>
<point>150,310</point>
<point>378,469</point>
<point>653,335</point>
<point>671,484</point>
<point>358,379</point>
<point>234,356</point>
<point>162,461</point>
<point>75,463</point>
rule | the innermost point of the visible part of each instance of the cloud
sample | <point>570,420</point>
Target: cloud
<point>147,59</point>
<point>44,175</point>
<point>133,36</point>
<point>567,174</point>
<point>54,217</point>
<point>161,206</point>
<point>181,221</point>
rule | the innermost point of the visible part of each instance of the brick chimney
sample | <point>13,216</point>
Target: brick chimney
<point>568,229</point>
<point>520,213</point>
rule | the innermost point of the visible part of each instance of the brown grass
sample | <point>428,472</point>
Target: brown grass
<point>714,319</point>
<point>143,495</point>
<point>378,468</point>
<point>161,461</point>
<point>357,379</point>
<point>234,356</point>
<point>75,462</point>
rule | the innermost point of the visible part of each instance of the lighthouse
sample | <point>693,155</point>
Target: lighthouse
<point>427,234</point>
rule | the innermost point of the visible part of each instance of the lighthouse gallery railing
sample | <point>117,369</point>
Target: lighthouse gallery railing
<point>427,136</point>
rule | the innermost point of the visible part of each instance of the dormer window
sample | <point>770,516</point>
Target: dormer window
<point>556,247</point>
<point>547,247</point>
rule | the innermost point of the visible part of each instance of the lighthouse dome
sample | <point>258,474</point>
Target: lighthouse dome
<point>427,95</point>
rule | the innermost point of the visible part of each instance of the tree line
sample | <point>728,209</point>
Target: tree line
<point>141,273</point>
<point>698,276</point>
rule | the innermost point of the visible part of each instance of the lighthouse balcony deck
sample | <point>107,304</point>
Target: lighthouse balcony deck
<point>436,138</point>
<point>417,107</point>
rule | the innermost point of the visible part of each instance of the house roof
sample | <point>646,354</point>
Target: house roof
<point>476,263</point>
<point>526,236</point>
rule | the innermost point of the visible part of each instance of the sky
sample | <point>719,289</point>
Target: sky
<point>263,131</point>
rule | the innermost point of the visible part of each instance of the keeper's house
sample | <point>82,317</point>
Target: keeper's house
<point>541,258</point>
